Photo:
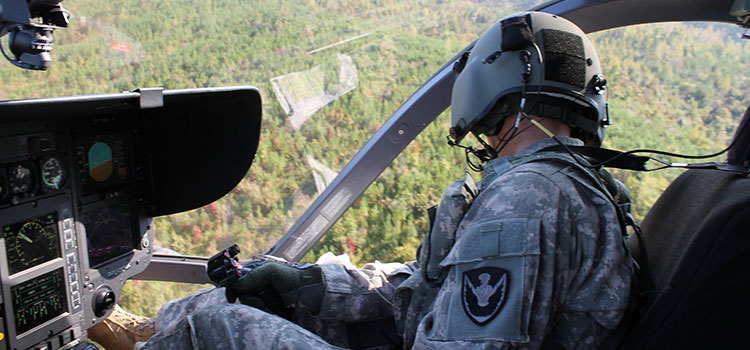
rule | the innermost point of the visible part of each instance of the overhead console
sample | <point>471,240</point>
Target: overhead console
<point>80,179</point>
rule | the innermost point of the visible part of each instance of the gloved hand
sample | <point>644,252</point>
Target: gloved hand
<point>277,287</point>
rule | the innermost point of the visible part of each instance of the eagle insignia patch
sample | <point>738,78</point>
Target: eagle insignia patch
<point>484,292</point>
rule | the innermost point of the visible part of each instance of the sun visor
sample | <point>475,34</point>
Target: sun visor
<point>181,149</point>
<point>203,143</point>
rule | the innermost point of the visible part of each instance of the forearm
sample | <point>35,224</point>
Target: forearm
<point>357,295</point>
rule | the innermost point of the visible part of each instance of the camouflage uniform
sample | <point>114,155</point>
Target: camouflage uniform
<point>547,236</point>
<point>538,259</point>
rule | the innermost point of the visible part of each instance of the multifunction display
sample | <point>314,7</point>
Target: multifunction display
<point>30,243</point>
<point>109,232</point>
<point>102,161</point>
<point>38,300</point>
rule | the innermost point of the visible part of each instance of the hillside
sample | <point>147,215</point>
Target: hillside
<point>331,72</point>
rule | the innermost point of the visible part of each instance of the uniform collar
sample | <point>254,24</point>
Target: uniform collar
<point>499,166</point>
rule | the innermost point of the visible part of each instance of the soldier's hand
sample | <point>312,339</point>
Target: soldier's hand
<point>277,287</point>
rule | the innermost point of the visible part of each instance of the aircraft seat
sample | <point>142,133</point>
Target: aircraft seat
<point>697,238</point>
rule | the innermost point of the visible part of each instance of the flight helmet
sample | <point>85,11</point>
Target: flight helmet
<point>537,61</point>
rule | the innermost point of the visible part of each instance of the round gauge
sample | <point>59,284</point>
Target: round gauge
<point>31,244</point>
<point>53,173</point>
<point>20,179</point>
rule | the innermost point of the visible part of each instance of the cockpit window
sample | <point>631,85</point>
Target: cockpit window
<point>330,73</point>
<point>676,87</point>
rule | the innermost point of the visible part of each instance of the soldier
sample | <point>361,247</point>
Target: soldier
<point>535,258</point>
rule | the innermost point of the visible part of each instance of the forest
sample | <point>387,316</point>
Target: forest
<point>331,72</point>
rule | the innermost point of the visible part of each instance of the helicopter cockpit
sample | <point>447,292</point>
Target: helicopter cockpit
<point>82,181</point>
<point>83,177</point>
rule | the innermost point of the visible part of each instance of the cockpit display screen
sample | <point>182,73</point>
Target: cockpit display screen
<point>102,161</point>
<point>32,242</point>
<point>109,232</point>
<point>39,300</point>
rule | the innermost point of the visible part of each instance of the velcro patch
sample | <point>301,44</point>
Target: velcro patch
<point>565,58</point>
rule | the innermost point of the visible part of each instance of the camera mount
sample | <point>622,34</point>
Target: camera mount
<point>31,42</point>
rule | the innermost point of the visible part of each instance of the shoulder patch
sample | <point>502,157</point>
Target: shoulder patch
<point>484,291</point>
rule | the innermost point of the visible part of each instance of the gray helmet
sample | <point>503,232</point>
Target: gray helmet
<point>504,66</point>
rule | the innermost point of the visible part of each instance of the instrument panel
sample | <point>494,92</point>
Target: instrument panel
<point>80,179</point>
<point>73,226</point>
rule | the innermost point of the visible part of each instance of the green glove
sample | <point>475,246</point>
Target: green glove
<point>278,287</point>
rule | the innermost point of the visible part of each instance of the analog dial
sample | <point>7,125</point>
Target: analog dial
<point>53,173</point>
<point>20,179</point>
<point>31,243</point>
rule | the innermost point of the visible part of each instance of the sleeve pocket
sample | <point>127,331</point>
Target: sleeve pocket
<point>492,271</point>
